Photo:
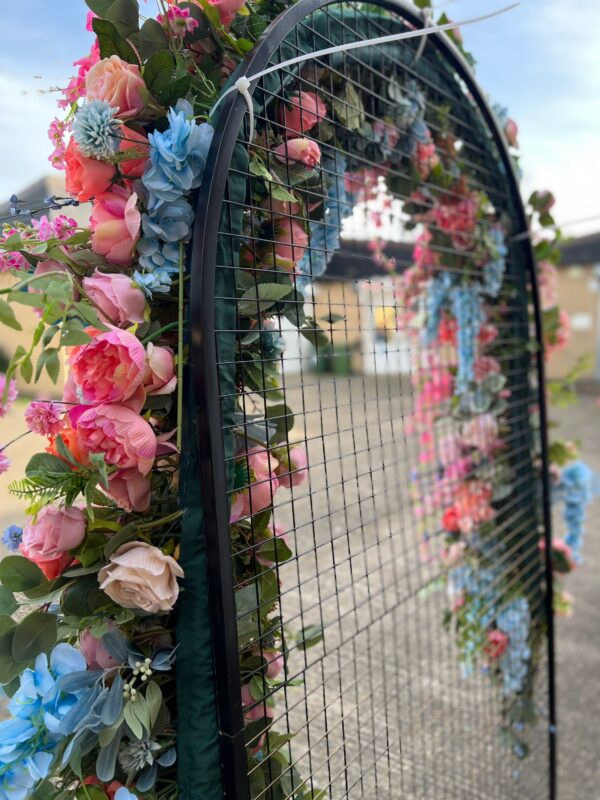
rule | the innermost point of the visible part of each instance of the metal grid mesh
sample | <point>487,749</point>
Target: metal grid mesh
<point>378,708</point>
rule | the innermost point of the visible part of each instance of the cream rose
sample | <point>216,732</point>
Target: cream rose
<point>141,576</point>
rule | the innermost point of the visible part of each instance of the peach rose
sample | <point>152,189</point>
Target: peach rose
<point>299,151</point>
<point>117,83</point>
<point>305,111</point>
<point>115,224</point>
<point>85,177</point>
<point>48,539</point>
<point>141,576</point>
<point>120,300</point>
<point>130,490</point>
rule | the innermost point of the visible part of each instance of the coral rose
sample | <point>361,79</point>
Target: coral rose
<point>159,374</point>
<point>117,83</point>
<point>110,369</point>
<point>85,177</point>
<point>125,438</point>
<point>138,143</point>
<point>48,539</point>
<point>305,109</point>
<point>115,223</point>
<point>141,576</point>
<point>299,151</point>
<point>497,642</point>
<point>120,300</point>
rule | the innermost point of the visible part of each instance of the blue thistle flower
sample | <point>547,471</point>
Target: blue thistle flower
<point>12,537</point>
<point>95,129</point>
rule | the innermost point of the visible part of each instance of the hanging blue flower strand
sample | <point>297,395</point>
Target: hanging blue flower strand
<point>466,308</point>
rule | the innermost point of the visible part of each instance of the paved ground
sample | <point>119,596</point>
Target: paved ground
<point>438,741</point>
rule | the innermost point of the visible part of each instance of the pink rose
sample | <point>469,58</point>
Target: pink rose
<point>48,539</point>
<point>85,177</point>
<point>511,130</point>
<point>115,223</point>
<point>159,373</point>
<point>125,438</point>
<point>130,490</point>
<point>299,151</point>
<point>294,472</point>
<point>227,9</point>
<point>110,369</point>
<point>291,240</point>
<point>485,366</point>
<point>119,300</point>
<point>481,433</point>
<point>117,83</point>
<point>138,143</point>
<point>95,653</point>
<point>305,111</point>
<point>497,642</point>
<point>141,576</point>
<point>263,485</point>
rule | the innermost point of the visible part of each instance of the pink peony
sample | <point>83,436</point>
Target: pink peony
<point>45,417</point>
<point>130,490</point>
<point>263,485</point>
<point>110,369</point>
<point>48,539</point>
<point>481,433</point>
<point>119,300</point>
<point>227,9</point>
<point>95,653</point>
<point>117,83</point>
<point>299,151</point>
<point>302,112</point>
<point>86,177</point>
<point>11,397</point>
<point>497,642</point>
<point>115,223</point>
<point>140,147</point>
<point>294,472</point>
<point>125,438</point>
<point>159,373</point>
<point>4,462</point>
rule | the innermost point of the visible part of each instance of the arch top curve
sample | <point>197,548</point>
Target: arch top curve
<point>440,350</point>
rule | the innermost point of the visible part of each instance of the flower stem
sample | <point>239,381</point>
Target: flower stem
<point>171,326</point>
<point>180,351</point>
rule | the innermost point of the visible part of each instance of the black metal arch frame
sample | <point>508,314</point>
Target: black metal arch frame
<point>206,382</point>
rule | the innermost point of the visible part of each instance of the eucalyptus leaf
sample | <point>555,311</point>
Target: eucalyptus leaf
<point>112,43</point>
<point>35,634</point>
<point>19,574</point>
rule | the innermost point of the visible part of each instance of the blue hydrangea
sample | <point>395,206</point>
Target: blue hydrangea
<point>514,620</point>
<point>467,310</point>
<point>325,234</point>
<point>576,489</point>
<point>437,298</point>
<point>494,269</point>
<point>30,737</point>
<point>95,129</point>
<point>158,281</point>
<point>157,255</point>
<point>169,222</point>
<point>177,156</point>
<point>12,537</point>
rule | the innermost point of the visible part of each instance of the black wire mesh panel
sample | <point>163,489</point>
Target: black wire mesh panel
<point>380,607</point>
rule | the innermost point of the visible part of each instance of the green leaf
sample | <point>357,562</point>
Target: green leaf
<point>73,334</point>
<point>283,418</point>
<point>349,108</point>
<point>99,7</point>
<point>34,635</point>
<point>294,309</point>
<point>279,192</point>
<point>8,604</point>
<point>52,364</point>
<point>132,719</point>
<point>7,317</point>
<point>275,550</point>
<point>262,297</point>
<point>19,574</point>
<point>154,699</point>
<point>7,629</point>
<point>315,335</point>
<point>112,43</point>
<point>158,72</point>
<point>176,90</point>
<point>125,15</point>
<point>310,636</point>
<point>26,369</point>
<point>126,534</point>
<point>152,38</point>
<point>45,464</point>
<point>258,168</point>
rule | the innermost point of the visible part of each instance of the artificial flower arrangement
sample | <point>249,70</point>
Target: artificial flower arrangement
<point>90,669</point>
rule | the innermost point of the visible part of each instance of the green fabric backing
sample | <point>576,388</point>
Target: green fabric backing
<point>199,769</point>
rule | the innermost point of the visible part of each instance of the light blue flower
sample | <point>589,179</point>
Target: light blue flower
<point>95,129</point>
<point>158,281</point>
<point>17,780</point>
<point>12,537</point>
<point>124,794</point>
<point>177,156</point>
<point>576,489</point>
<point>494,269</point>
<point>169,222</point>
<point>468,312</point>
<point>514,620</point>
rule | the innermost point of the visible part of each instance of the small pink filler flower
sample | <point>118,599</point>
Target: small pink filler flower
<point>45,417</point>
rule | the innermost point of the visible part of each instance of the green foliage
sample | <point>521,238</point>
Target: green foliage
<point>111,42</point>
<point>35,634</point>
<point>18,574</point>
